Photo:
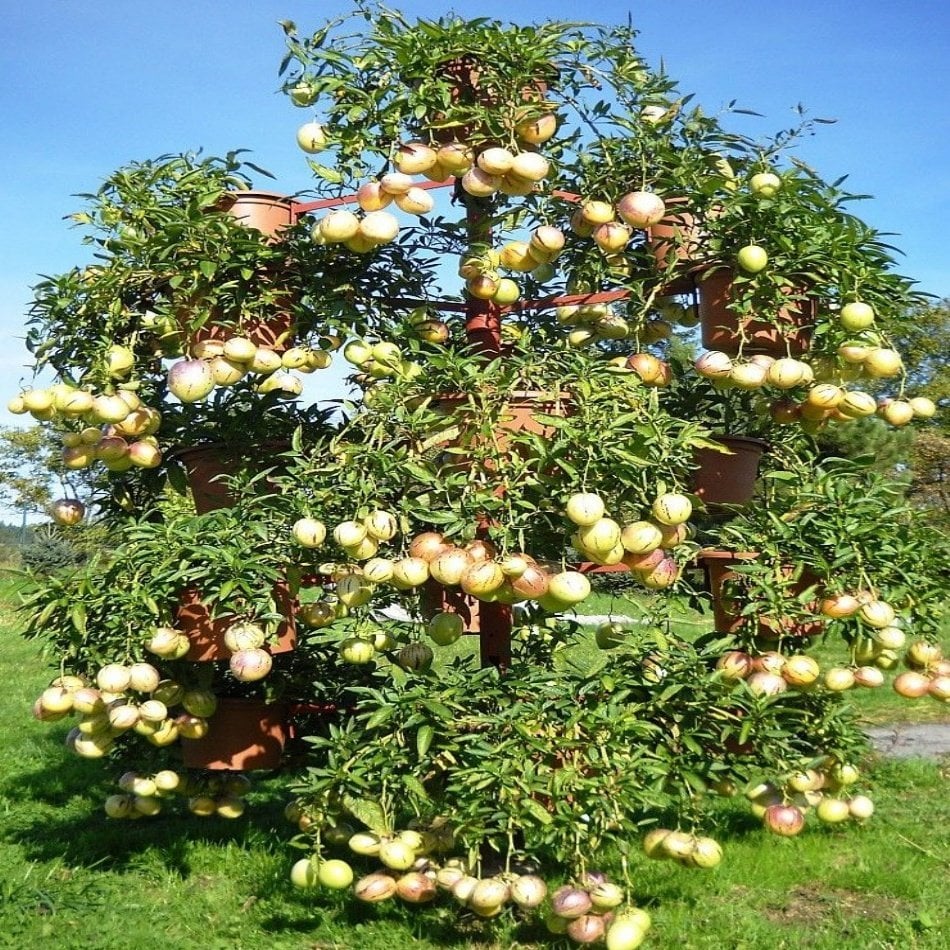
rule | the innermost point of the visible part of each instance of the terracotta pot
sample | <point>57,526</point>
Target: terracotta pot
<point>678,245</point>
<point>463,75</point>
<point>789,334</point>
<point>722,479</point>
<point>207,468</point>
<point>206,633</point>
<point>243,734</point>
<point>724,585</point>
<point>520,414</point>
<point>306,720</point>
<point>524,407</point>
<point>677,241</point>
<point>718,567</point>
<point>267,211</point>
<point>276,332</point>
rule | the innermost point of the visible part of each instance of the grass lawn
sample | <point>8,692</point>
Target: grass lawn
<point>71,878</point>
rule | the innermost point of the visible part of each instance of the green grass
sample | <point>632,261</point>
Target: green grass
<point>71,878</point>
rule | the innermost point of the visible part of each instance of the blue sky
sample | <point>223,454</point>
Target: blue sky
<point>88,86</point>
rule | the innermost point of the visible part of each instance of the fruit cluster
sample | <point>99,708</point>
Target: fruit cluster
<point>116,428</point>
<point>770,673</point>
<point>380,360</point>
<point>250,660</point>
<point>645,547</point>
<point>479,174</point>
<point>142,795</point>
<point>597,219</point>
<point>125,699</point>
<point>691,851</point>
<point>481,263</point>
<point>412,870</point>
<point>208,795</point>
<point>783,807</point>
<point>824,395</point>
<point>224,363</point>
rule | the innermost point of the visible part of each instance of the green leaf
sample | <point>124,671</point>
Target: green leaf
<point>424,739</point>
<point>328,174</point>
<point>693,780</point>
<point>78,617</point>
<point>538,811</point>
<point>415,787</point>
<point>417,471</point>
<point>368,812</point>
<point>383,714</point>
<point>692,744</point>
<point>745,731</point>
<point>437,709</point>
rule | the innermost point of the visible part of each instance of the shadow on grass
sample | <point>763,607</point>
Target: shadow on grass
<point>442,925</point>
<point>59,816</point>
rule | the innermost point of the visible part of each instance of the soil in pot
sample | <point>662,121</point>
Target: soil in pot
<point>243,734</point>
<point>788,333</point>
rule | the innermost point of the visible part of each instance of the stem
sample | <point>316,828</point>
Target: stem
<point>923,850</point>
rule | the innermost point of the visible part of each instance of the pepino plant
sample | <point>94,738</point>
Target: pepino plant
<point>516,239</point>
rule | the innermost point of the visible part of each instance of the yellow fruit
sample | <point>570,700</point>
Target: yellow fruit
<point>311,137</point>
<point>923,407</point>
<point>882,363</point>
<point>672,509</point>
<point>585,508</point>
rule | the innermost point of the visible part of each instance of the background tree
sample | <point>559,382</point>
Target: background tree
<point>925,345</point>
<point>889,449</point>
<point>930,481</point>
<point>32,472</point>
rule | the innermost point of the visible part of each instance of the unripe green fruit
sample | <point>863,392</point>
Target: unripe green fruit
<point>856,316</point>
<point>397,855</point>
<point>303,874</point>
<point>752,258</point>
<point>335,874</point>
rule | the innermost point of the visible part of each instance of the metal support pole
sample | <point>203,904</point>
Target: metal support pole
<point>483,330</point>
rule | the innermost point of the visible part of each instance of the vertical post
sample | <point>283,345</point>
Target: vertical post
<point>483,331</point>
<point>495,634</point>
<point>483,326</point>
